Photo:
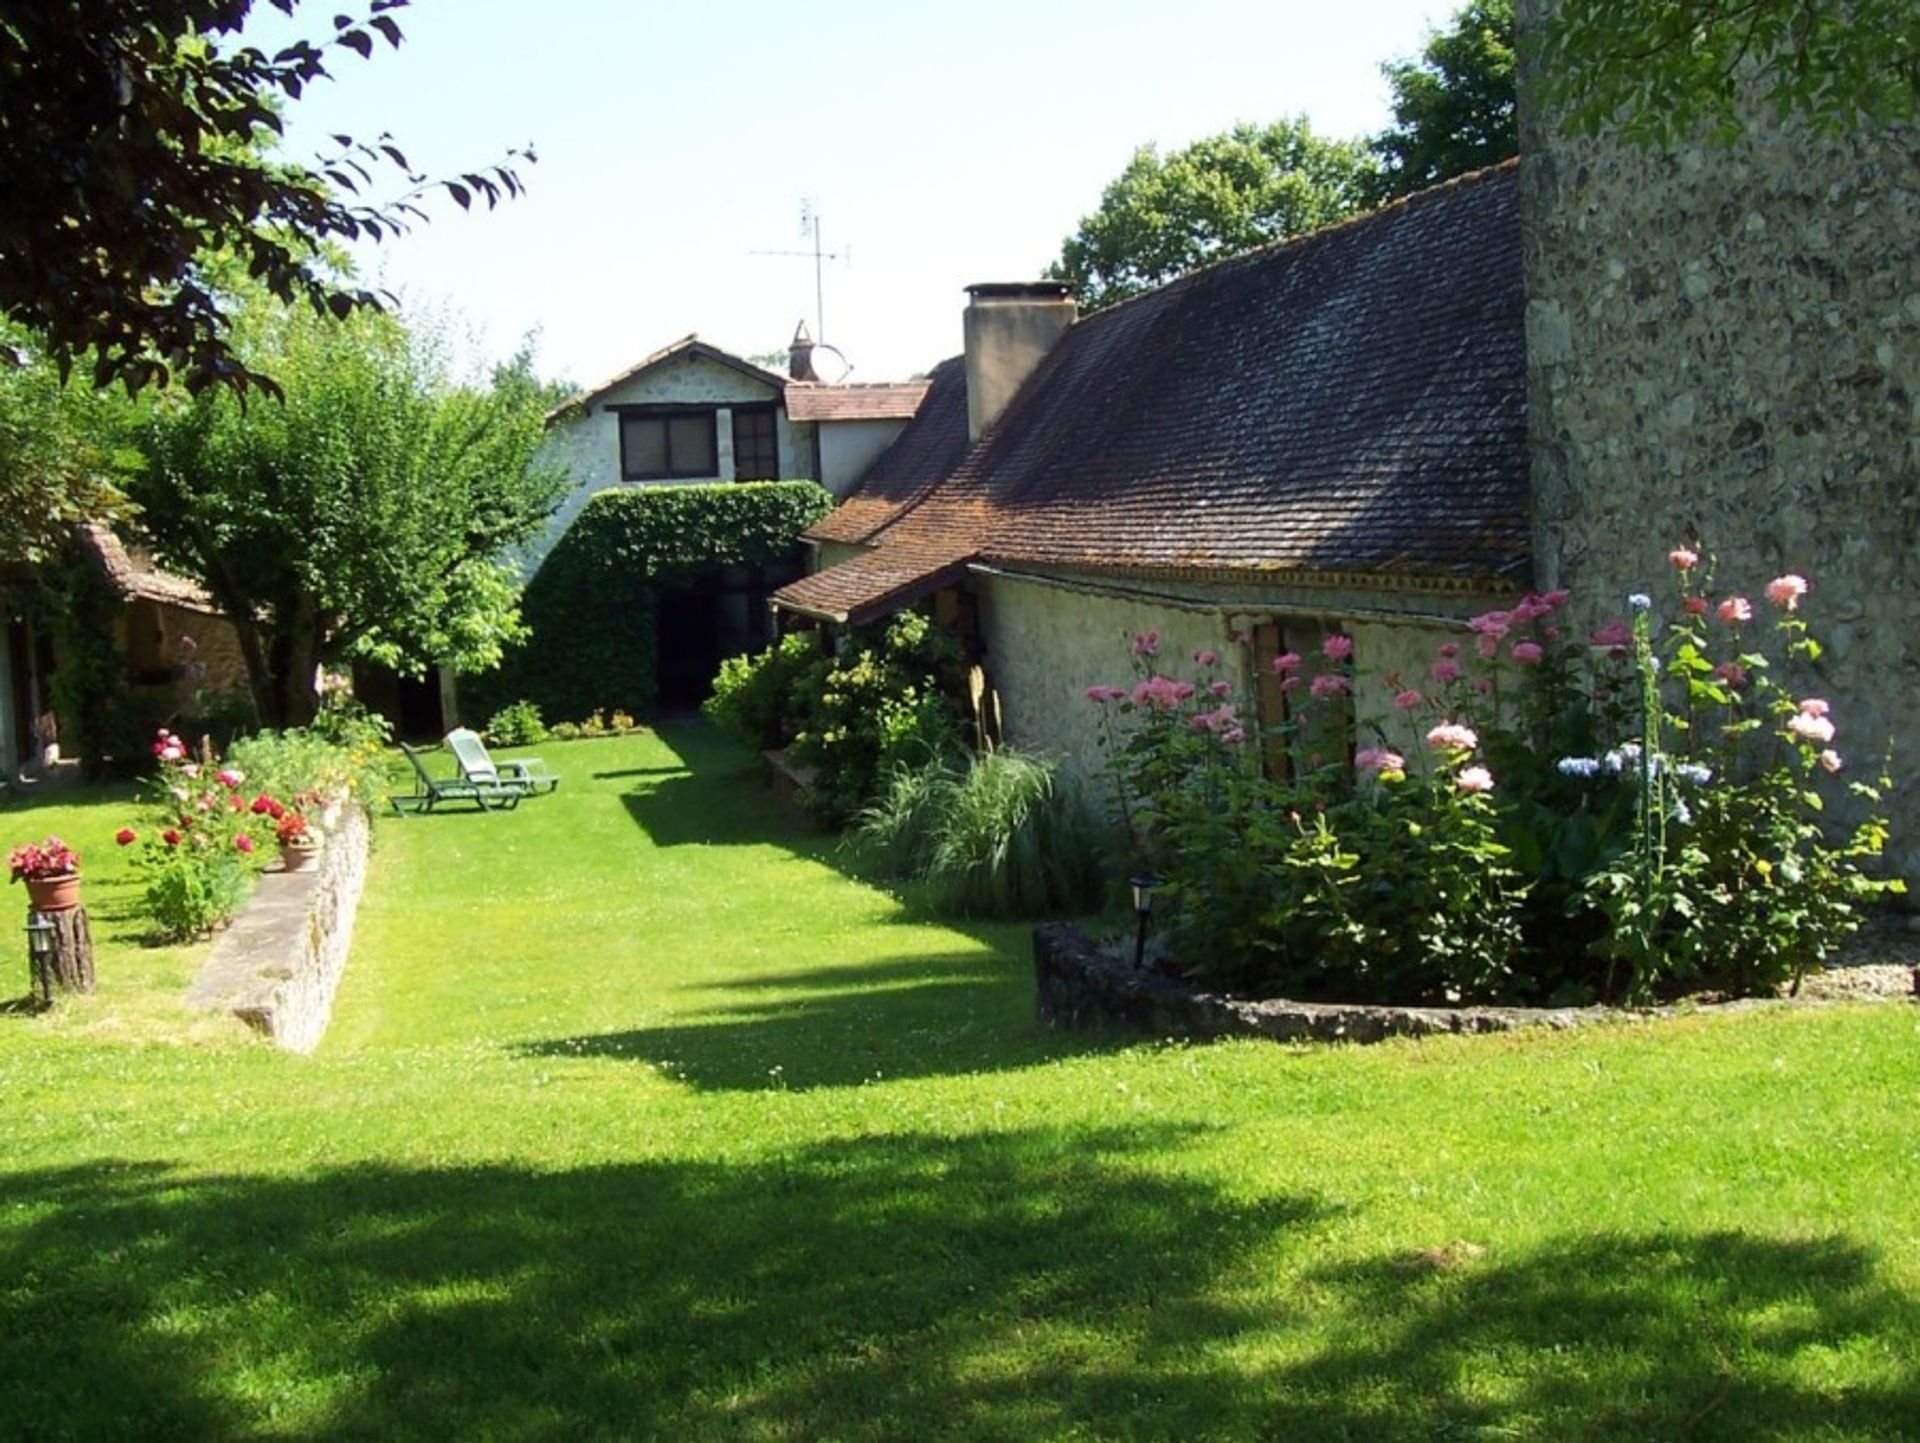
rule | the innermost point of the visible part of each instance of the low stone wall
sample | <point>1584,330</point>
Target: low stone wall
<point>1076,985</point>
<point>279,964</point>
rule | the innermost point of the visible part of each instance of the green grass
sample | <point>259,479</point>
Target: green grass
<point>641,1119</point>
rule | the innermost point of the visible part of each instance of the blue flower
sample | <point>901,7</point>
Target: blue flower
<point>1680,813</point>
<point>1578,767</point>
<point>1640,601</point>
<point>1693,773</point>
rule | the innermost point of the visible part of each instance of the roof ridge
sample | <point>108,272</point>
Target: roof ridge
<point>1301,239</point>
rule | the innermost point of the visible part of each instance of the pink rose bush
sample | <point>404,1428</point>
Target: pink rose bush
<point>1560,811</point>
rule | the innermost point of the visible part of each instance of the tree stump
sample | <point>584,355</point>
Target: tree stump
<point>68,964</point>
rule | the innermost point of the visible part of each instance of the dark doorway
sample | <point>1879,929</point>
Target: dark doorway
<point>688,630</point>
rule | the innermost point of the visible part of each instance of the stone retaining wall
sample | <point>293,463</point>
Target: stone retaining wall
<point>279,965</point>
<point>1076,985</point>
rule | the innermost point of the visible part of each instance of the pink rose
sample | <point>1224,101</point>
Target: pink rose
<point>1233,736</point>
<point>1830,759</point>
<point>1379,759</point>
<point>1338,647</point>
<point>1527,653</point>
<point>1814,706</point>
<point>1288,661</point>
<point>1614,633</point>
<point>1206,657</point>
<point>1694,606</point>
<point>1444,671</point>
<point>1105,693</point>
<point>1330,684</point>
<point>1475,779</point>
<point>1221,688</point>
<point>1290,683</point>
<point>1683,558</point>
<point>229,778</point>
<point>1809,728</point>
<point>1785,591</point>
<point>1736,609</point>
<point>1556,599</point>
<point>1453,737</point>
<point>1408,699</point>
<point>1491,623</point>
<point>1489,643</point>
<point>1449,649</point>
<point>1146,643</point>
<point>243,843</point>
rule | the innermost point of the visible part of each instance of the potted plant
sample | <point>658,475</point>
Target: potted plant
<point>298,845</point>
<point>51,870</point>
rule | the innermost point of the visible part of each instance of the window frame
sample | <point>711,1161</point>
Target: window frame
<point>772,414</point>
<point>666,415</point>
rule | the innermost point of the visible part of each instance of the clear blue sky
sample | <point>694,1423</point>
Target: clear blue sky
<point>942,144</point>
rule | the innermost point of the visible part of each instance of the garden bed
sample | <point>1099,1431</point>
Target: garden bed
<point>1079,986</point>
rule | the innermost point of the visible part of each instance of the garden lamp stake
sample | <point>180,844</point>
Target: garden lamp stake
<point>1143,884</point>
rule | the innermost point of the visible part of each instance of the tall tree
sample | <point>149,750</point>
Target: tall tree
<point>135,141</point>
<point>1454,105</point>
<point>62,449</point>
<point>1163,216</point>
<point>367,516</point>
<point>1658,70</point>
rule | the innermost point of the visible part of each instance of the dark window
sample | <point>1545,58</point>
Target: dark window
<point>655,445</point>
<point>756,448</point>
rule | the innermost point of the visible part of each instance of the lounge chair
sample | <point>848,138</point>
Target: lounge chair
<point>529,774</point>
<point>487,796</point>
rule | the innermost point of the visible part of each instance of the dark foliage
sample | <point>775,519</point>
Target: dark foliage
<point>133,141</point>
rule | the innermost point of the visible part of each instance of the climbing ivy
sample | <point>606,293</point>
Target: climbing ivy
<point>590,607</point>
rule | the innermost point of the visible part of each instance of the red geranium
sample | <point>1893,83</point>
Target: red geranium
<point>51,858</point>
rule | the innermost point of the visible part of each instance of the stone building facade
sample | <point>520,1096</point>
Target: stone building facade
<point>1723,346</point>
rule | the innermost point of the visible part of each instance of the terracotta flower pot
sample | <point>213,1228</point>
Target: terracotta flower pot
<point>54,894</point>
<point>298,856</point>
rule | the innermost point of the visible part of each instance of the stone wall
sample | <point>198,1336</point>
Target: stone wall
<point>277,967</point>
<point>1724,344</point>
<point>1047,643</point>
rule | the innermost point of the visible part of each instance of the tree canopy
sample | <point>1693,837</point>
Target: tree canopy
<point>1454,105</point>
<point>1657,70</point>
<point>135,145</point>
<point>367,516</point>
<point>62,449</point>
<point>1225,194</point>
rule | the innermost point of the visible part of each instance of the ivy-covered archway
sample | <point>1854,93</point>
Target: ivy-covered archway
<point>595,606</point>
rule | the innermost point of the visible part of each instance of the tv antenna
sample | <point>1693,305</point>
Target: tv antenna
<point>810,230</point>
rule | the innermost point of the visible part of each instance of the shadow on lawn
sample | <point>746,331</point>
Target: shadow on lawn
<point>1012,1286</point>
<point>939,1016</point>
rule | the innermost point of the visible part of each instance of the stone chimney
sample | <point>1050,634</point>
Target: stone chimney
<point>1009,327</point>
<point>800,355</point>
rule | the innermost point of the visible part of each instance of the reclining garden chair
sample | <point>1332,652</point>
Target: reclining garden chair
<point>528,774</point>
<point>488,796</point>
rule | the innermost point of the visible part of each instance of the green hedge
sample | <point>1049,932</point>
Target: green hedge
<point>590,607</point>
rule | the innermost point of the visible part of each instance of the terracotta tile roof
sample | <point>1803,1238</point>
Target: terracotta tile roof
<point>135,576</point>
<point>877,582</point>
<point>923,454</point>
<point>863,401</point>
<point>1353,400</point>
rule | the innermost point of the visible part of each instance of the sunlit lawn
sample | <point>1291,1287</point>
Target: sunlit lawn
<point>641,1118</point>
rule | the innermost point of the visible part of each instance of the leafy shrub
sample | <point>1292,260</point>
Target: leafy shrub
<point>995,838</point>
<point>202,841</point>
<point>301,766</point>
<point>518,725</point>
<point>1627,816</point>
<point>886,700</point>
<point>754,696</point>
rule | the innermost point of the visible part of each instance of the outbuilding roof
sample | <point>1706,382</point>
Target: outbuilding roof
<point>1352,400</point>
